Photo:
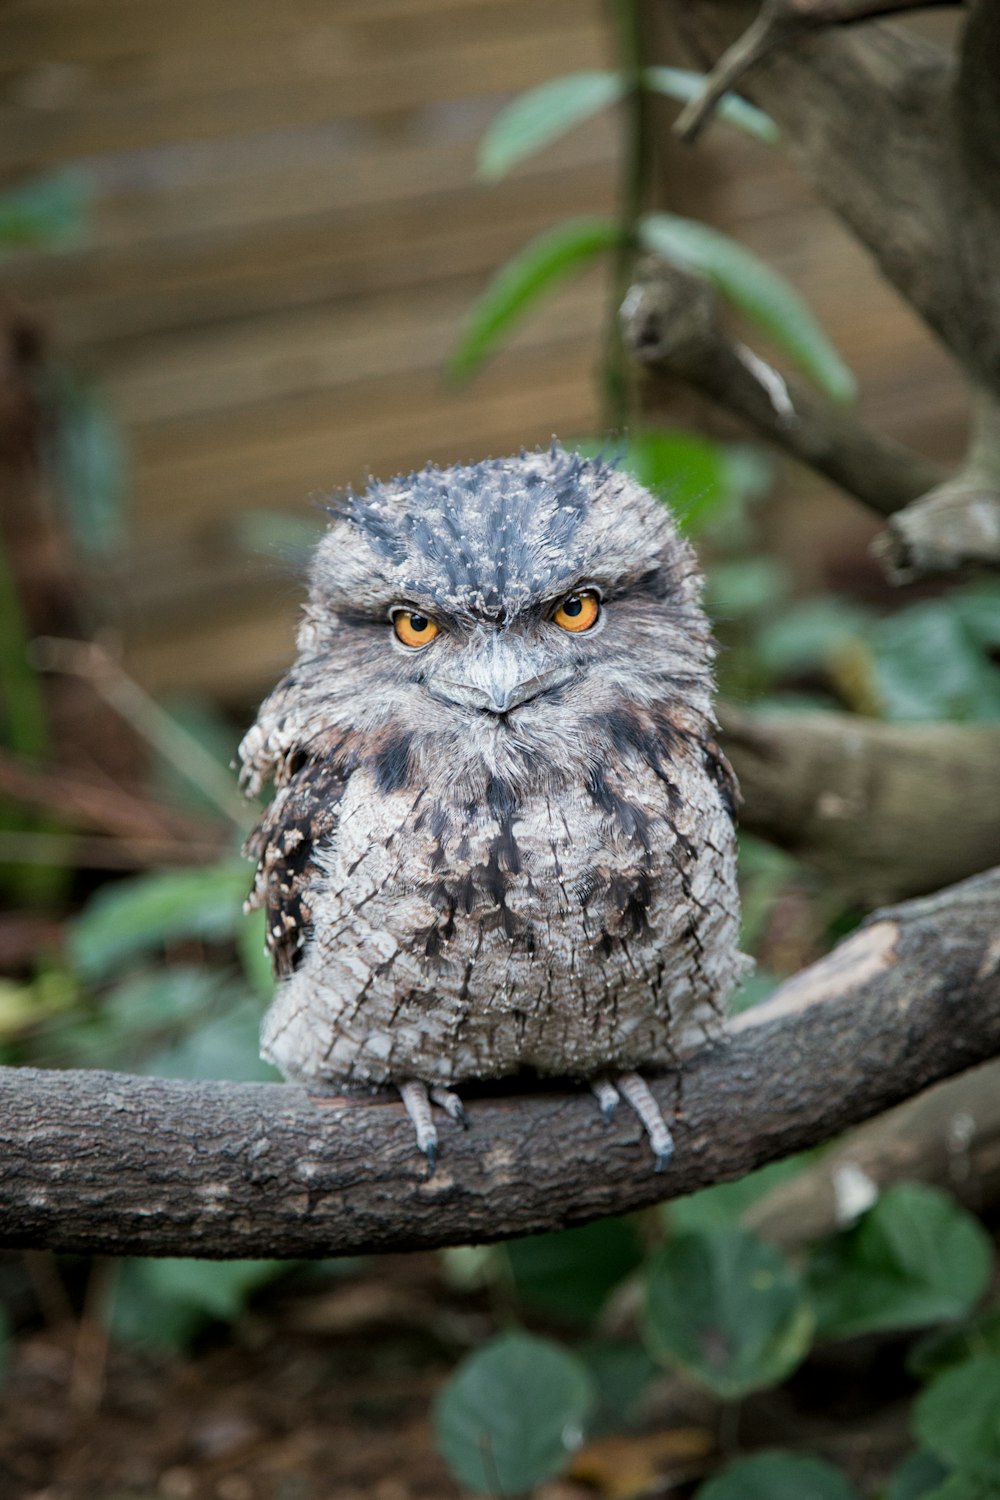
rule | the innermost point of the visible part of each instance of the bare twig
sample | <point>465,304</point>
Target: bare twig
<point>103,1162</point>
<point>775,23</point>
<point>671,325</point>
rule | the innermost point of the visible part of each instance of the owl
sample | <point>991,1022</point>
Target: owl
<point>502,832</point>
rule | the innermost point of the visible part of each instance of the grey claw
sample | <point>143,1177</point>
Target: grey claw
<point>663,1159</point>
<point>431,1153</point>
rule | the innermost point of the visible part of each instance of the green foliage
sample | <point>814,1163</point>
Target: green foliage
<point>569,1275</point>
<point>940,1350</point>
<point>917,1476</point>
<point>958,1419</point>
<point>85,453</point>
<point>684,85</point>
<point>779,1476</point>
<point>164,1304</point>
<point>622,1374</point>
<point>931,661</point>
<point>143,913</point>
<point>44,214</point>
<point>728,1309</point>
<point>766,298</point>
<point>546,260</point>
<point>915,1258</point>
<point>512,1414</point>
<point>543,114</point>
<point>726,1202</point>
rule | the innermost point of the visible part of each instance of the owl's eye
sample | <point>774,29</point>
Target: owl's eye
<point>578,611</point>
<point>413,629</point>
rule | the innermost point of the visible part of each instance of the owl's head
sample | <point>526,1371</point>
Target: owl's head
<point>520,612</point>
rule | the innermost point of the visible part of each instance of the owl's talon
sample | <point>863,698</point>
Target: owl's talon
<point>417,1104</point>
<point>636,1092</point>
<point>452,1105</point>
<point>607,1096</point>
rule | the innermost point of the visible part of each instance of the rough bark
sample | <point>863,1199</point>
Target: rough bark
<point>104,1162</point>
<point>885,811</point>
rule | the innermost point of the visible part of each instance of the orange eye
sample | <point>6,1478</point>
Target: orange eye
<point>413,629</point>
<point>578,612</point>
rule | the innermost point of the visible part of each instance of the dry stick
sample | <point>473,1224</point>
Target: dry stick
<point>670,323</point>
<point>105,1162</point>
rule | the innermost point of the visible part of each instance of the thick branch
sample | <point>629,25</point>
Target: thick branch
<point>670,324</point>
<point>102,1162</point>
<point>883,810</point>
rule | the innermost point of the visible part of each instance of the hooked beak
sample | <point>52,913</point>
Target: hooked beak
<point>500,678</point>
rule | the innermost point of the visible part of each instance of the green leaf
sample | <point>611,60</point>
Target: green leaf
<point>622,1373</point>
<point>945,1347</point>
<point>685,470</point>
<point>748,587</point>
<point>808,634</point>
<point>916,1257</point>
<point>684,85</point>
<point>928,664</point>
<point>958,1417</point>
<point>44,214</point>
<point>725,1202</point>
<point>87,455</point>
<point>766,298</point>
<point>512,1414</point>
<point>165,1304</point>
<point>965,1487</point>
<point>541,115</point>
<point>544,261</point>
<point>916,1477</point>
<point>779,1476</point>
<point>570,1274</point>
<point>222,1046</point>
<point>137,915</point>
<point>728,1309</point>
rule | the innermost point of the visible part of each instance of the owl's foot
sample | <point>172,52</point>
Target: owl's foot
<point>636,1093</point>
<point>417,1100</point>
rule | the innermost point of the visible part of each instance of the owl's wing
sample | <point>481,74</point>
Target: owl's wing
<point>721,772</point>
<point>303,815</point>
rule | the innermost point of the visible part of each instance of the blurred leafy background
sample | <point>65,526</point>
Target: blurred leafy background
<point>705,1348</point>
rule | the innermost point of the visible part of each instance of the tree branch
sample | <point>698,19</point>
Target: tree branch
<point>883,810</point>
<point>957,523</point>
<point>671,325</point>
<point>772,27</point>
<point>104,1162</point>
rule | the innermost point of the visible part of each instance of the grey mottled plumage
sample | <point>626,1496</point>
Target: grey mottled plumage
<point>511,847</point>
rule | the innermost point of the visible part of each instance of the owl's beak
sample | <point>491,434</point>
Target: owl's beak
<point>500,678</point>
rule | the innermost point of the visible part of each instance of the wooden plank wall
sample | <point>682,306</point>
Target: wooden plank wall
<point>286,235</point>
